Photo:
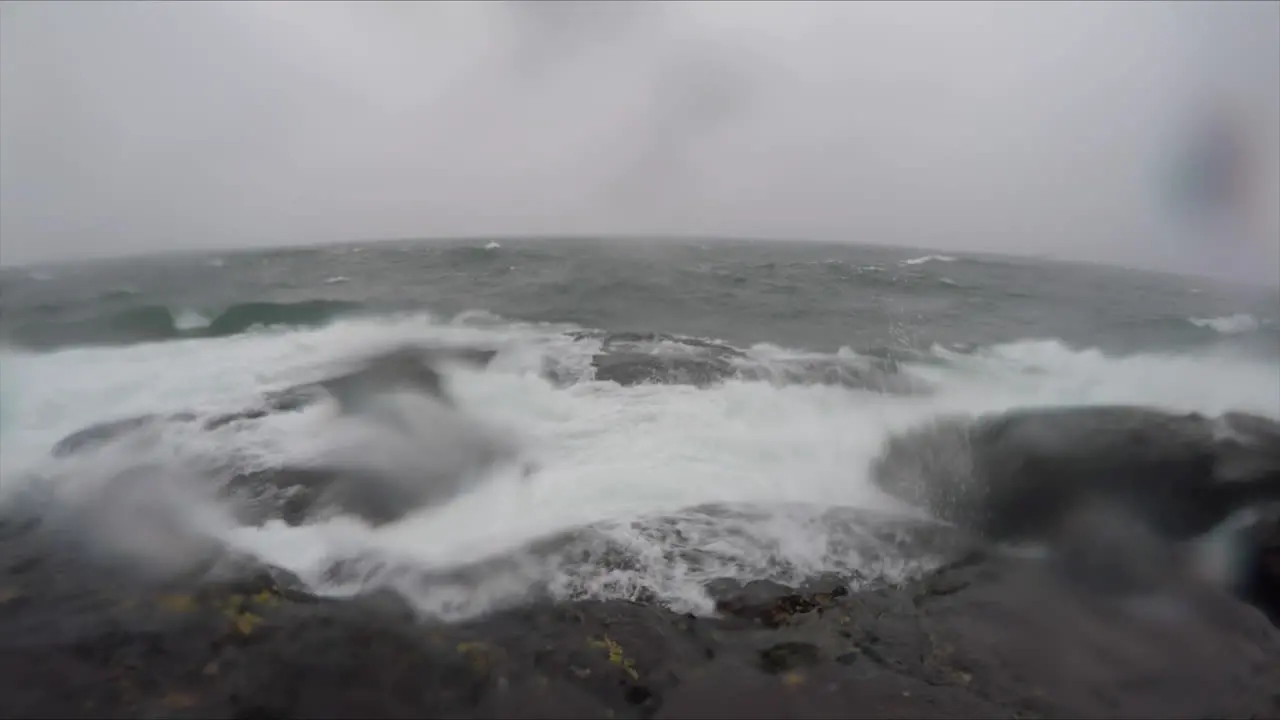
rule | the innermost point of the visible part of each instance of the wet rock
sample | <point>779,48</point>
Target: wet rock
<point>290,400</point>
<point>829,692</point>
<point>789,656</point>
<point>623,341</point>
<point>1182,652</point>
<point>413,367</point>
<point>1020,475</point>
<point>1262,582</point>
<point>298,495</point>
<point>772,604</point>
<point>408,366</point>
<point>978,639</point>
<point>102,433</point>
<point>633,368</point>
<point>634,358</point>
<point>877,375</point>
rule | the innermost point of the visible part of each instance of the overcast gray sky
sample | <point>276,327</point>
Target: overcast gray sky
<point>1039,128</point>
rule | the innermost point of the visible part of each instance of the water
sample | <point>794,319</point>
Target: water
<point>646,491</point>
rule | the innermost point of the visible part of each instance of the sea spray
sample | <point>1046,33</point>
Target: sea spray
<point>638,491</point>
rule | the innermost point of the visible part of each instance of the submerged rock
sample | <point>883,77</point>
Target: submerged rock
<point>639,358</point>
<point>634,368</point>
<point>298,495</point>
<point>412,367</point>
<point>101,433</point>
<point>406,367</point>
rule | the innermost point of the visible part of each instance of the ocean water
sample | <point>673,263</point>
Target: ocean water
<point>642,491</point>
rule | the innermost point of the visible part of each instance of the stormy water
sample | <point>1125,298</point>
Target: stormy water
<point>676,412</point>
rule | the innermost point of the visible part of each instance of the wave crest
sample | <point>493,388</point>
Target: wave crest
<point>152,323</point>
<point>1229,324</point>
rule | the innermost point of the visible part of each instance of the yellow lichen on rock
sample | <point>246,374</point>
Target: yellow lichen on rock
<point>266,597</point>
<point>616,656</point>
<point>235,609</point>
<point>246,621</point>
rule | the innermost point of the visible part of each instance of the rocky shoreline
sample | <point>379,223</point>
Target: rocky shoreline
<point>984,636</point>
<point>980,638</point>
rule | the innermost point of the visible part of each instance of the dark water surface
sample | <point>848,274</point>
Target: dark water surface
<point>802,295</point>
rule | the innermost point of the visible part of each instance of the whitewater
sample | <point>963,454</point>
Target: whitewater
<point>645,491</point>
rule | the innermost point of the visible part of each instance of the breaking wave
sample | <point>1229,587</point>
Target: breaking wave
<point>929,258</point>
<point>1230,324</point>
<point>645,464</point>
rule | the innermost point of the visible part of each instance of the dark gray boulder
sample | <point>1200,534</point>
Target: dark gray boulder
<point>1019,475</point>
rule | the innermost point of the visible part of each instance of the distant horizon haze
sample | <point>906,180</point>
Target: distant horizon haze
<point>1052,130</point>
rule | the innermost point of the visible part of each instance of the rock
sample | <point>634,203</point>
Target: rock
<point>984,638</point>
<point>298,495</point>
<point>102,433</point>
<point>1193,651</point>
<point>301,494</point>
<point>789,656</point>
<point>1262,584</point>
<point>1101,547</point>
<point>772,604</point>
<point>628,340</point>
<point>828,691</point>
<point>873,374</point>
<point>633,368</point>
<point>405,367</point>
<point>635,358</point>
<point>638,358</point>
<point>1018,475</point>
<point>408,366</point>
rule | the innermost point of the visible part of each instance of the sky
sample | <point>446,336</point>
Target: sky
<point>1045,129</point>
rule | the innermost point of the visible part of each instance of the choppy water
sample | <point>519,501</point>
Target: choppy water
<point>647,490</point>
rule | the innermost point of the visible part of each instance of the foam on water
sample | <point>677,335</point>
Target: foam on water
<point>631,463</point>
<point>1229,324</point>
<point>928,258</point>
<point>190,320</point>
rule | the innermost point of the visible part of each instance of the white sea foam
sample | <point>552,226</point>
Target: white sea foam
<point>190,320</point>
<point>1229,324</point>
<point>631,463</point>
<point>929,258</point>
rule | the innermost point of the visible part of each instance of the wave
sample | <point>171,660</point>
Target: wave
<point>929,258</point>
<point>151,323</point>
<point>639,489</point>
<point>1229,324</point>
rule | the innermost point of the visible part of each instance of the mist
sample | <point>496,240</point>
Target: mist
<point>1044,129</point>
